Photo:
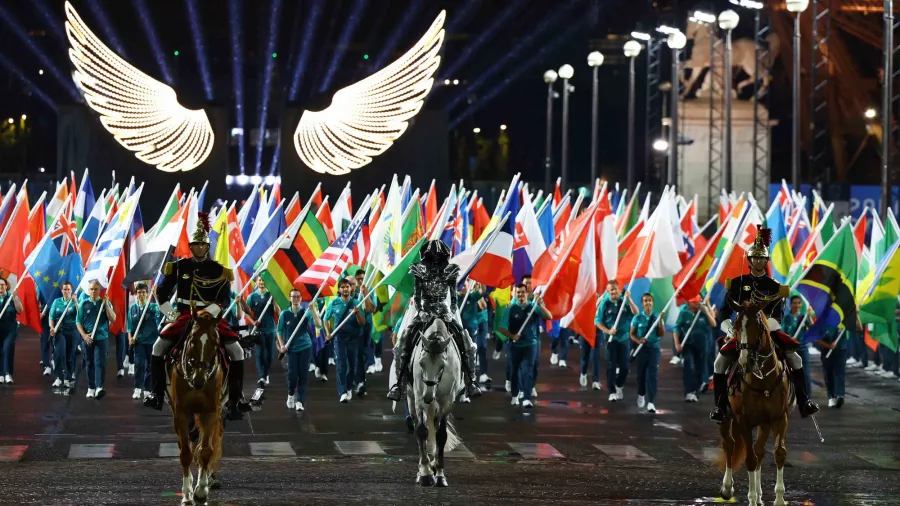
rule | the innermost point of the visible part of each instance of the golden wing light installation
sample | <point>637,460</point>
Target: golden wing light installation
<point>365,118</point>
<point>142,113</point>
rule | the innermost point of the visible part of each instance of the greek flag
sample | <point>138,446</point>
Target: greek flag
<point>111,244</point>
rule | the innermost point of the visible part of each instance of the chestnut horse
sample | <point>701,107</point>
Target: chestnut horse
<point>195,391</point>
<point>761,399</point>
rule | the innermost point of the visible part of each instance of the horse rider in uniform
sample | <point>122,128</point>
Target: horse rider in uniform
<point>203,287</point>
<point>739,292</point>
<point>436,279</point>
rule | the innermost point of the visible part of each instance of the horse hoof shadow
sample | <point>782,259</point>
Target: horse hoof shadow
<point>441,481</point>
<point>425,481</point>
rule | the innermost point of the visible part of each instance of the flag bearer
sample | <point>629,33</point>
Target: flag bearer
<point>65,338</point>
<point>691,337</point>
<point>96,346</point>
<point>142,339</point>
<point>9,330</point>
<point>360,292</point>
<point>789,324</point>
<point>300,350</point>
<point>346,339</point>
<point>474,320</point>
<point>650,354</point>
<point>523,342</point>
<point>263,318</point>
<point>614,337</point>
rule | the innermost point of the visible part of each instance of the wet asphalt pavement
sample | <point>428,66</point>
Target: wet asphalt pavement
<point>574,447</point>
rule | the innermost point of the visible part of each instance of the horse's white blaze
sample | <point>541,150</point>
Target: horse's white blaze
<point>203,339</point>
<point>743,356</point>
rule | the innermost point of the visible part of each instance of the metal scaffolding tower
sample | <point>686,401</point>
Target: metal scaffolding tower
<point>716,78</point>
<point>820,140</point>
<point>761,124</point>
<point>652,118</point>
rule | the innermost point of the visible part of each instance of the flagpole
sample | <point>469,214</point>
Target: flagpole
<point>840,335</point>
<point>640,261</point>
<point>688,334</point>
<point>811,264</point>
<point>556,269</point>
<point>152,294</point>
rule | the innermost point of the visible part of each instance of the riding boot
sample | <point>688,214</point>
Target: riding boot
<point>158,381</point>
<point>720,397</point>
<point>472,389</point>
<point>402,352</point>
<point>806,406</point>
<point>237,406</point>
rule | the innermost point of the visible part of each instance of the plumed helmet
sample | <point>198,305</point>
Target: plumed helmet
<point>760,247</point>
<point>201,234</point>
<point>435,251</point>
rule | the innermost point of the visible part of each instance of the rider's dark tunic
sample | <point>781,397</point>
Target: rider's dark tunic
<point>739,290</point>
<point>198,284</point>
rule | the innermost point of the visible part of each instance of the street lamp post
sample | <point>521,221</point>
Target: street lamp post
<point>728,20</point>
<point>566,72</point>
<point>886,113</point>
<point>797,7</point>
<point>676,41</point>
<point>549,78</point>
<point>595,59</point>
<point>632,50</point>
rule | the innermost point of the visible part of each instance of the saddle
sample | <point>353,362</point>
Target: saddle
<point>735,381</point>
<point>176,350</point>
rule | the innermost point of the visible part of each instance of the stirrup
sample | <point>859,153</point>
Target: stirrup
<point>394,393</point>
<point>473,390</point>
<point>153,401</point>
<point>718,415</point>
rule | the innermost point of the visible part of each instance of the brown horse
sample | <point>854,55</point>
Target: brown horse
<point>195,389</point>
<point>761,399</point>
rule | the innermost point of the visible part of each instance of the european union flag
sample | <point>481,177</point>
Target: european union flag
<point>45,262</point>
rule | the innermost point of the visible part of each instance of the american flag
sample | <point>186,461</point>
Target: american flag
<point>329,267</point>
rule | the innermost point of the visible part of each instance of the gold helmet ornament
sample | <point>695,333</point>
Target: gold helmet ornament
<point>760,247</point>
<point>201,234</point>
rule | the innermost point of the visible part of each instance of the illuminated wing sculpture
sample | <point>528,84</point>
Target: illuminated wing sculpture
<point>142,113</point>
<point>365,118</point>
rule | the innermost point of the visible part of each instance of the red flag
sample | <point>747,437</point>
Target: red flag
<point>859,233</point>
<point>563,257</point>
<point>31,311</point>
<point>293,211</point>
<point>431,207</point>
<point>557,195</point>
<point>118,297</point>
<point>562,219</point>
<point>37,226</point>
<point>697,269</point>
<point>584,294</point>
<point>480,219</point>
<point>324,217</point>
<point>12,249</point>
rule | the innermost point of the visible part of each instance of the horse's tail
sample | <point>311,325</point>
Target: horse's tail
<point>453,439</point>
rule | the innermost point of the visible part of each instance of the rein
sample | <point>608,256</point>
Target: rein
<point>759,360</point>
<point>187,365</point>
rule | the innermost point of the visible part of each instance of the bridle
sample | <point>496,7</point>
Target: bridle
<point>189,365</point>
<point>757,355</point>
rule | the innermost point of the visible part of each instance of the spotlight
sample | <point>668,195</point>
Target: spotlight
<point>176,52</point>
<point>256,179</point>
<point>661,145</point>
<point>274,55</point>
<point>640,35</point>
<point>41,169</point>
<point>41,72</point>
<point>446,82</point>
<point>502,127</point>
<point>455,82</point>
<point>870,113</point>
<point>366,56</point>
<point>24,117</point>
<point>270,180</point>
<point>475,130</point>
<point>229,179</point>
<point>11,121</point>
<point>243,179</point>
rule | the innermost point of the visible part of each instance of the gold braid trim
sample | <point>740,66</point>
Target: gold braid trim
<point>169,268</point>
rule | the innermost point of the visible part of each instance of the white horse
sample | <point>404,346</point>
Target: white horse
<point>743,56</point>
<point>436,381</point>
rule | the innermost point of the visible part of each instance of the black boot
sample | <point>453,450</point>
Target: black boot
<point>158,381</point>
<point>720,397</point>
<point>396,391</point>
<point>806,406</point>
<point>237,406</point>
<point>468,366</point>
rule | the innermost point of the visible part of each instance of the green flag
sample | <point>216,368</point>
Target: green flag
<point>877,307</point>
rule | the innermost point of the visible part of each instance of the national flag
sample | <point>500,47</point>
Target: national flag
<point>55,205</point>
<point>653,253</point>
<point>249,214</point>
<point>6,207</point>
<point>330,266</point>
<point>528,241</point>
<point>877,307</point>
<point>256,251</point>
<point>859,233</point>
<point>342,214</point>
<point>325,218</point>
<point>399,277</point>
<point>95,223</point>
<point>780,249</point>
<point>412,227</point>
<point>111,245</point>
<point>487,261</point>
<point>698,268</point>
<point>606,248</point>
<point>13,241</point>
<point>292,211</point>
<point>37,225</point>
<point>430,206</point>
<point>137,239</point>
<point>42,265</point>
<point>297,250</point>
<point>584,297</point>
<point>830,283</point>
<point>557,193</point>
<point>688,229</point>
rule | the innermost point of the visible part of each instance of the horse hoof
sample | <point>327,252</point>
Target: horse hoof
<point>199,501</point>
<point>441,481</point>
<point>426,481</point>
<point>410,425</point>
<point>187,502</point>
<point>726,494</point>
<point>779,501</point>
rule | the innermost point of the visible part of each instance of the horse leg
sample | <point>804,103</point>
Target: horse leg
<point>185,456</point>
<point>752,466</point>
<point>762,435</point>
<point>727,489</point>
<point>425,476</point>
<point>780,459</point>
<point>441,436</point>
<point>432,415</point>
<point>208,424</point>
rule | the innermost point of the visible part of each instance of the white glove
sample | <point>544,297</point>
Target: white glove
<point>168,311</point>
<point>774,325</point>
<point>727,327</point>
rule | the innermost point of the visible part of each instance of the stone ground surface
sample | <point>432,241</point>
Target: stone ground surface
<point>574,447</point>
